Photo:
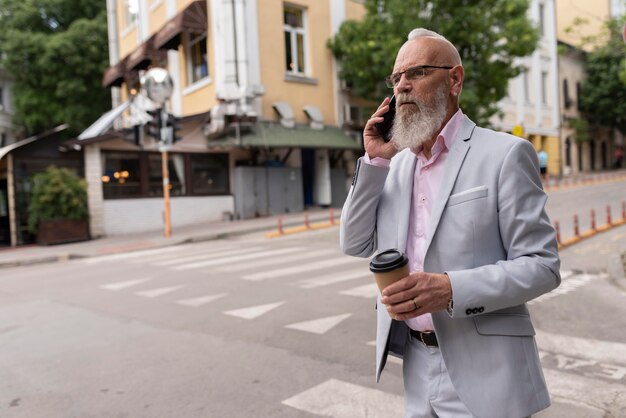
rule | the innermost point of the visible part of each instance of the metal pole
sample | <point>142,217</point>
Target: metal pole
<point>166,194</point>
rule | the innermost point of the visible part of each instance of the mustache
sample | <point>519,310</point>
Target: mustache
<point>404,98</point>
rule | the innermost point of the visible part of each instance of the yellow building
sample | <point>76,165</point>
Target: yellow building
<point>262,112</point>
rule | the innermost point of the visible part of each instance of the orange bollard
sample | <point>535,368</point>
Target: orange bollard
<point>593,219</point>
<point>608,214</point>
<point>280,226</point>
<point>558,232</point>
<point>307,225</point>
<point>576,230</point>
<point>332,216</point>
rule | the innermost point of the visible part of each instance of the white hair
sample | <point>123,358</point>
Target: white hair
<point>425,33</point>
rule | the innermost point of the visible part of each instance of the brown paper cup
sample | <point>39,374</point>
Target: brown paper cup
<point>385,279</point>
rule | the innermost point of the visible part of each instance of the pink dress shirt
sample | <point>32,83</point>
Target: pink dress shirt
<point>426,180</point>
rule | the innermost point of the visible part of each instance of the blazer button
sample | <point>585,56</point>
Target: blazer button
<point>481,309</point>
<point>468,311</point>
<point>475,310</point>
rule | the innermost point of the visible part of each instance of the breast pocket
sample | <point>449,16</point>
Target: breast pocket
<point>468,195</point>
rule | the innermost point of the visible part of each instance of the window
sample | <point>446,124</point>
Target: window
<point>121,175</point>
<point>541,19</point>
<point>1,99</point>
<point>295,40</point>
<point>197,63</point>
<point>209,174</point>
<point>133,175</point>
<point>567,101</point>
<point>176,173</point>
<point>131,10</point>
<point>568,152</point>
<point>544,87</point>
<point>3,139</point>
<point>578,91</point>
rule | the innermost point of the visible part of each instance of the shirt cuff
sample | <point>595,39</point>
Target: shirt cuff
<point>376,161</point>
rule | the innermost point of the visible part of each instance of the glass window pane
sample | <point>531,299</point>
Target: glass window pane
<point>292,17</point>
<point>209,174</point>
<point>300,43</point>
<point>197,57</point>
<point>288,57</point>
<point>155,176</point>
<point>121,175</point>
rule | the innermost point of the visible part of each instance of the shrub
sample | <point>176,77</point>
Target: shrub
<point>57,193</point>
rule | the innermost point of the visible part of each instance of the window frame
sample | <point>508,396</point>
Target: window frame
<point>130,19</point>
<point>144,174</point>
<point>294,32</point>
<point>189,44</point>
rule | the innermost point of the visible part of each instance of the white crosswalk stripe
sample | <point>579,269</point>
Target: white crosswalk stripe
<point>189,252</point>
<point>334,278</point>
<point>154,293</point>
<point>253,312</point>
<point>235,259</point>
<point>287,271</point>
<point>283,260</point>
<point>200,301</point>
<point>337,399</point>
<point>208,255</point>
<point>123,285</point>
<point>321,325</point>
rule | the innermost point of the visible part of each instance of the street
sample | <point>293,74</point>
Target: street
<point>257,327</point>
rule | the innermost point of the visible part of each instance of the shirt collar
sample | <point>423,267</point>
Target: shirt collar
<point>447,134</point>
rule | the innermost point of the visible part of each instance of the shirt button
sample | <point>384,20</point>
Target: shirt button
<point>419,233</point>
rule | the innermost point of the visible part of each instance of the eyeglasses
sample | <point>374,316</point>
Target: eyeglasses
<point>412,73</point>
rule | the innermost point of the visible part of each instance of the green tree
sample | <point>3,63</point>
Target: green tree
<point>489,34</point>
<point>603,92</point>
<point>56,53</point>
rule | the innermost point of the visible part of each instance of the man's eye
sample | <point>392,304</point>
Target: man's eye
<point>414,72</point>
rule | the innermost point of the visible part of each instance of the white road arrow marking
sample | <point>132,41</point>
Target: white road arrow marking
<point>319,326</point>
<point>253,311</point>
<point>367,291</point>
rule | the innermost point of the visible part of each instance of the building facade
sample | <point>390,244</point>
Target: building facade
<point>532,103</point>
<point>263,112</point>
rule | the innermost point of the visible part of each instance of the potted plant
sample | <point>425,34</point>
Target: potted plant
<point>58,210</point>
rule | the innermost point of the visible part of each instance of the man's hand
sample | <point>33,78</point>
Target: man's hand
<point>375,145</point>
<point>429,292</point>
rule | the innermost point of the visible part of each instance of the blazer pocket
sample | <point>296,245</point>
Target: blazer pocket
<point>504,324</point>
<point>469,194</point>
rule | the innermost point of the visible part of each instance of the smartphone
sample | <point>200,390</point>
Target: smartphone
<point>384,127</point>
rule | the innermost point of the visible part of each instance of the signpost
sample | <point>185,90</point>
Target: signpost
<point>157,85</point>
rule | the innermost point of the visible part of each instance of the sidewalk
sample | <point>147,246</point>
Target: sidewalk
<point>35,254</point>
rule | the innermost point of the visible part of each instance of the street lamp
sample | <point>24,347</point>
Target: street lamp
<point>157,85</point>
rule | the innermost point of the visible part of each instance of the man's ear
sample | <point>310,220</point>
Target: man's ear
<point>457,75</point>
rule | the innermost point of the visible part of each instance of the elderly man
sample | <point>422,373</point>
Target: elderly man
<point>467,206</point>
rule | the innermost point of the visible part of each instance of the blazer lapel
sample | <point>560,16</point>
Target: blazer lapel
<point>453,166</point>
<point>406,176</point>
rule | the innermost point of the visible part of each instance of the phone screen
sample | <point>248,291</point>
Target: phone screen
<point>384,127</point>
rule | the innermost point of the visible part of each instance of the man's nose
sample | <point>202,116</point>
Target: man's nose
<point>403,86</point>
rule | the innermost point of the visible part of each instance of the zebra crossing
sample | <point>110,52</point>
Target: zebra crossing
<point>325,271</point>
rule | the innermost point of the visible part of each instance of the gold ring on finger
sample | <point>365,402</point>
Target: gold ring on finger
<point>415,303</point>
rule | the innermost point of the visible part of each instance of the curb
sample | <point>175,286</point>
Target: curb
<point>590,233</point>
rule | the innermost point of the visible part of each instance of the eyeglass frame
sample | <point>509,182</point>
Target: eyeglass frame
<point>389,82</point>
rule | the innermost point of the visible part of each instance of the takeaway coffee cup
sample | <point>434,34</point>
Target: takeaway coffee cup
<point>388,267</point>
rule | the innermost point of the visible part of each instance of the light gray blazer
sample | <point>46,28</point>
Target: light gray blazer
<point>490,233</point>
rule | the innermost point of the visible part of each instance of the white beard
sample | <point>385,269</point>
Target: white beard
<point>414,126</point>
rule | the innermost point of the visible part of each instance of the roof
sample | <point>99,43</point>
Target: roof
<point>273,135</point>
<point>5,150</point>
<point>104,122</point>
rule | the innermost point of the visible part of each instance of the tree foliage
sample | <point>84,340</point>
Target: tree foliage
<point>56,53</point>
<point>603,92</point>
<point>489,34</point>
<point>57,193</point>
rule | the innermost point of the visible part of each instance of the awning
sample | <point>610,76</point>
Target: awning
<point>114,75</point>
<point>104,122</point>
<point>273,135</point>
<point>193,19</point>
<point>5,150</point>
<point>144,55</point>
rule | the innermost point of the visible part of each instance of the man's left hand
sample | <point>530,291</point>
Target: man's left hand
<point>417,294</point>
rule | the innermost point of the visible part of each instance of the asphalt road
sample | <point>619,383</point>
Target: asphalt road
<point>253,327</point>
